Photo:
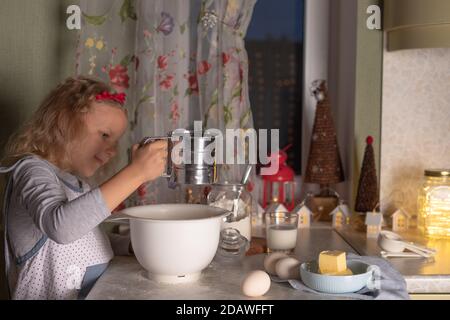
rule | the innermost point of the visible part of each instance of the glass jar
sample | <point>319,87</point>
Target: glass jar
<point>223,196</point>
<point>232,246</point>
<point>434,204</point>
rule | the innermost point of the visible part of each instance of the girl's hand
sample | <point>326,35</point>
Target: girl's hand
<point>147,163</point>
<point>150,159</point>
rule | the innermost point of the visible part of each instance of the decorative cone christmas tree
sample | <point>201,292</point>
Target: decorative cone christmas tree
<point>324,162</point>
<point>367,196</point>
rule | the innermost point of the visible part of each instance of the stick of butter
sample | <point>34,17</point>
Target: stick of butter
<point>332,262</point>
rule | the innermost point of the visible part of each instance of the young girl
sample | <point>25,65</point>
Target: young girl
<point>54,247</point>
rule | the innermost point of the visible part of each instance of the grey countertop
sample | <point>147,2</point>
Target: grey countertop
<point>421,275</point>
<point>126,279</point>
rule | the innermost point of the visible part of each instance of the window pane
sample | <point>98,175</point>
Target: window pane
<point>274,45</point>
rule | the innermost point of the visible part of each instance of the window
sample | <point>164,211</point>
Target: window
<point>274,44</point>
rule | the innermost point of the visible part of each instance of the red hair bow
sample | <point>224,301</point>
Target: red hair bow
<point>118,97</point>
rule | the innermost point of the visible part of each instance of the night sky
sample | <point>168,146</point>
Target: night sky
<point>277,18</point>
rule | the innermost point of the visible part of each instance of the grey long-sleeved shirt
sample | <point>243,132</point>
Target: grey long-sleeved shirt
<point>39,206</point>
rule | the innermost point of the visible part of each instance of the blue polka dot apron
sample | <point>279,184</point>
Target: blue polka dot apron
<point>51,270</point>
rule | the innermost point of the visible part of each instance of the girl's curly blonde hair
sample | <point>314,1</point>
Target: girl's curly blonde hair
<point>57,121</point>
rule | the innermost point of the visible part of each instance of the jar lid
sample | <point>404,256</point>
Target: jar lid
<point>232,186</point>
<point>230,235</point>
<point>437,172</point>
<point>227,183</point>
<point>231,238</point>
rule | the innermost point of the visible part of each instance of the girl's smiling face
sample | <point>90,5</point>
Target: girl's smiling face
<point>104,124</point>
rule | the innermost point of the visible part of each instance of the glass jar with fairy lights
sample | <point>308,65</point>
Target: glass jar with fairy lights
<point>434,204</point>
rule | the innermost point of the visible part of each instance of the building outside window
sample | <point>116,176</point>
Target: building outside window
<point>274,44</point>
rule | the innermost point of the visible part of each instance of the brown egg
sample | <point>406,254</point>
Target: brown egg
<point>271,260</point>
<point>288,268</point>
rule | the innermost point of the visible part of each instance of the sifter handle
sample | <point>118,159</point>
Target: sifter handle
<point>168,172</point>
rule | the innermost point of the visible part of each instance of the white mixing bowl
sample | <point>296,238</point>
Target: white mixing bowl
<point>175,242</point>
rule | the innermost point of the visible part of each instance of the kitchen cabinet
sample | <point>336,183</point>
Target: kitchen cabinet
<point>411,24</point>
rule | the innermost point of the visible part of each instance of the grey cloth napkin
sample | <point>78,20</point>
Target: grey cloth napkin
<point>392,285</point>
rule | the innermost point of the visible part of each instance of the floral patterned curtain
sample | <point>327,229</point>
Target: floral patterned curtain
<point>177,61</point>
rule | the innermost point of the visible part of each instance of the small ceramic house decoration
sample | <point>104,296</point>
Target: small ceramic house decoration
<point>260,212</point>
<point>276,208</point>
<point>341,216</point>
<point>400,220</point>
<point>258,215</point>
<point>304,215</point>
<point>374,221</point>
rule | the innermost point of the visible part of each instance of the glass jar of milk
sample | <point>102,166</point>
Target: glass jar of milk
<point>224,196</point>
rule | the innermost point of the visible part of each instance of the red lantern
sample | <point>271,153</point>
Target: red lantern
<point>280,187</point>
